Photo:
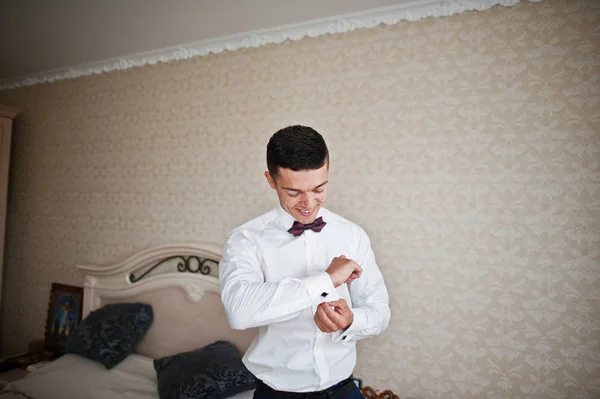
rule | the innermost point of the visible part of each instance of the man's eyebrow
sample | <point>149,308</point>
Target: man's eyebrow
<point>322,184</point>
<point>299,191</point>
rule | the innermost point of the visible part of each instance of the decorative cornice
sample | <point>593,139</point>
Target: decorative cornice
<point>409,11</point>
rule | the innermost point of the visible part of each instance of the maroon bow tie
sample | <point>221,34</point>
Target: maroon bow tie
<point>298,228</point>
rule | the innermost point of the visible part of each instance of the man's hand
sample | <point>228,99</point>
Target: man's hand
<point>343,270</point>
<point>333,316</point>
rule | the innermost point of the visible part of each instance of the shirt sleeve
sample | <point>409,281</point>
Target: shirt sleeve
<point>369,296</point>
<point>250,302</point>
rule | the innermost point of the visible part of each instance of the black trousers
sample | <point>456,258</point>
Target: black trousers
<point>350,391</point>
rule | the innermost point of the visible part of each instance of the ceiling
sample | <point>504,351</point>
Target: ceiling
<point>41,35</point>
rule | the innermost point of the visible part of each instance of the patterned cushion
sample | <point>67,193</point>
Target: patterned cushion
<point>213,372</point>
<point>109,334</point>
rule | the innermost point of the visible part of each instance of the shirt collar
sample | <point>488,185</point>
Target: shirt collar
<point>285,219</point>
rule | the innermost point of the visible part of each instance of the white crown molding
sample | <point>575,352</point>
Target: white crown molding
<point>410,11</point>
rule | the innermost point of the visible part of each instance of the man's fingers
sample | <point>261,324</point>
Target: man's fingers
<point>356,273</point>
<point>352,277</point>
<point>336,316</point>
<point>324,318</point>
<point>318,322</point>
<point>329,318</point>
<point>320,325</point>
<point>341,303</point>
<point>331,314</point>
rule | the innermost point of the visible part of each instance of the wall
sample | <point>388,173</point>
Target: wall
<point>467,147</point>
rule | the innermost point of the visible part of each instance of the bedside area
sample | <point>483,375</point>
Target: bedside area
<point>12,375</point>
<point>13,368</point>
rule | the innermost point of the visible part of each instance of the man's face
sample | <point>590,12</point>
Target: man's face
<point>301,193</point>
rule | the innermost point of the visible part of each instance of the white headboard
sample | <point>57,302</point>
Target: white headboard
<point>181,283</point>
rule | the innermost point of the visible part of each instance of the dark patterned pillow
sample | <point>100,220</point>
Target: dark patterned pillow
<point>213,372</point>
<point>195,387</point>
<point>109,334</point>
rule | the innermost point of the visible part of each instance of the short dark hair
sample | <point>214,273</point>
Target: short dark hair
<point>297,148</point>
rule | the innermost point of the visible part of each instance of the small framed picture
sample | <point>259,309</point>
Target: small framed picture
<point>64,314</point>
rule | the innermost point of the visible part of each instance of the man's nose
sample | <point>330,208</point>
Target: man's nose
<point>307,201</point>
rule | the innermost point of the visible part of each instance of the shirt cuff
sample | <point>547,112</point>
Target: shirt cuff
<point>358,323</point>
<point>320,288</point>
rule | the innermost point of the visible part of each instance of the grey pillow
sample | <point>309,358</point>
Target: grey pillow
<point>213,372</point>
<point>109,334</point>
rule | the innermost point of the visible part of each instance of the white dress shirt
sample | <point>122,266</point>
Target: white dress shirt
<point>275,281</point>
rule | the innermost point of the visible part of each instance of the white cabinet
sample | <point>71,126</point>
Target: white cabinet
<point>7,115</point>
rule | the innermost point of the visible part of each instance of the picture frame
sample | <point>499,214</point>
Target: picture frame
<point>65,309</point>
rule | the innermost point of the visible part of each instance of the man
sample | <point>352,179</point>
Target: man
<point>305,276</point>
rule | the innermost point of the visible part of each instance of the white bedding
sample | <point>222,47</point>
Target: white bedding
<point>74,377</point>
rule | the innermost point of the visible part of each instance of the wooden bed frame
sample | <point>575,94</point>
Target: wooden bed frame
<point>370,393</point>
<point>186,274</point>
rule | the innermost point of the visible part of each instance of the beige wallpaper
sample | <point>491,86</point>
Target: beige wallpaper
<point>468,147</point>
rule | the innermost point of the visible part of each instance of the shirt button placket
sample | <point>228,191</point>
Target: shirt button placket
<point>318,347</point>
<point>309,252</point>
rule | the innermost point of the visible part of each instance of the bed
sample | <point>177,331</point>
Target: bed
<point>179,282</point>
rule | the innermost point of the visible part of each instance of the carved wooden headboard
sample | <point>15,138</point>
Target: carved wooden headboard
<point>181,283</point>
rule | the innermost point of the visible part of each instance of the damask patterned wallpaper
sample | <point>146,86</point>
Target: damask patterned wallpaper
<point>468,147</point>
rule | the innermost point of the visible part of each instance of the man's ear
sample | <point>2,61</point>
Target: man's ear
<point>270,180</point>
